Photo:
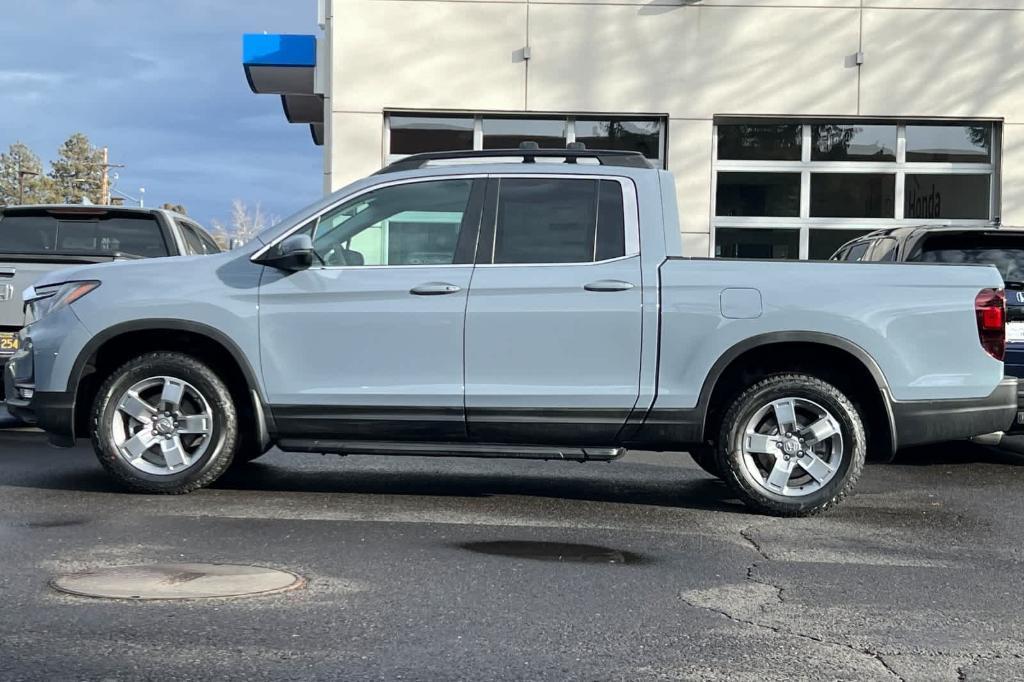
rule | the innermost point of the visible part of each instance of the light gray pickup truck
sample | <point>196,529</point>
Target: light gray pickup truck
<point>515,303</point>
<point>37,240</point>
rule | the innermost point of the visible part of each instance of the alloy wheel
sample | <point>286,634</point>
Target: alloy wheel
<point>792,447</point>
<point>162,425</point>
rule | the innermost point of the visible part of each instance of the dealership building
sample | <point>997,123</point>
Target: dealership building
<point>791,126</point>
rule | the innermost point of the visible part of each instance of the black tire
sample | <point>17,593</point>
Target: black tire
<point>730,456</point>
<point>224,428</point>
<point>707,459</point>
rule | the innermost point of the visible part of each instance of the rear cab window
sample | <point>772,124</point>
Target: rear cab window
<point>82,233</point>
<point>1005,250</point>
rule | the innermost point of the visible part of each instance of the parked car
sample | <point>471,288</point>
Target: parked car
<point>1002,247</point>
<point>37,240</point>
<point>565,323</point>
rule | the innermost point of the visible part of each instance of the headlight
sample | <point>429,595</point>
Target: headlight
<point>43,300</point>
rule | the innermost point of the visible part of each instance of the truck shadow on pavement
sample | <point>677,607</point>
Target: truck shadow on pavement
<point>659,486</point>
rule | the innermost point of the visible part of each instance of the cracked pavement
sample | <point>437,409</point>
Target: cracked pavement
<point>433,569</point>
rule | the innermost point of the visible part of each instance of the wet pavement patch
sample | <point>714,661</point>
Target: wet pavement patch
<point>47,523</point>
<point>177,581</point>
<point>555,551</point>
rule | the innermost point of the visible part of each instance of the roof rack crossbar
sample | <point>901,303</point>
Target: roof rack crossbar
<point>606,157</point>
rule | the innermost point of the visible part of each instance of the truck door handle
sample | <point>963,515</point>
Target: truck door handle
<point>435,289</point>
<point>608,285</point>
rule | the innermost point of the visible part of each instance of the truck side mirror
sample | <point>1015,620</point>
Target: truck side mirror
<point>293,254</point>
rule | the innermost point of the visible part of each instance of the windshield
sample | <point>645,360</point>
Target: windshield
<point>93,235</point>
<point>1005,251</point>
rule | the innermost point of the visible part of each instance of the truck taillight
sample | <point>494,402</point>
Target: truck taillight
<point>990,310</point>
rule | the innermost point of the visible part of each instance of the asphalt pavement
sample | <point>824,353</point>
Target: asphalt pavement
<point>462,569</point>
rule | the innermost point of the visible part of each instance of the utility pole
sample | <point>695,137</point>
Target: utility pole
<point>21,184</point>
<point>105,180</point>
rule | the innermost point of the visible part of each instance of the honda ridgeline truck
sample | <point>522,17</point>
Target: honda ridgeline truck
<point>528,304</point>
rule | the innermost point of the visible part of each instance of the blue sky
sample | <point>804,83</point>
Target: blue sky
<point>161,84</point>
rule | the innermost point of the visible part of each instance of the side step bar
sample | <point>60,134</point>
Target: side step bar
<point>356,447</point>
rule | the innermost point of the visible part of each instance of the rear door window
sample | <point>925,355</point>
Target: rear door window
<point>884,250</point>
<point>106,234</point>
<point>547,220</point>
<point>854,252</point>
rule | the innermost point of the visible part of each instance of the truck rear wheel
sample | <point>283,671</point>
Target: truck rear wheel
<point>164,423</point>
<point>791,445</point>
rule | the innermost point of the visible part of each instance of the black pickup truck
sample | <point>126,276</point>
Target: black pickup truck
<point>35,240</point>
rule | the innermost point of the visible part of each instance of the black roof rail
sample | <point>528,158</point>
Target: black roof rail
<point>530,152</point>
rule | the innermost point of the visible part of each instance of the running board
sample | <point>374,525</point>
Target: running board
<point>356,447</point>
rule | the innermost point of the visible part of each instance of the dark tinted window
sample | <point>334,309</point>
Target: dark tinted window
<point>853,195</point>
<point>1005,251</point>
<point>104,235</point>
<point>636,136</point>
<point>885,250</point>
<point>760,142</point>
<point>949,143</point>
<point>757,243</point>
<point>758,194</point>
<point>841,142</point>
<point>415,134</point>
<point>950,197</point>
<point>509,133</point>
<point>207,240</point>
<point>543,220</point>
<point>194,246</point>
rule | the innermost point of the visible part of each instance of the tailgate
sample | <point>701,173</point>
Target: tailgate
<point>15,277</point>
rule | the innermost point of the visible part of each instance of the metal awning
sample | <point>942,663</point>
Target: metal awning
<point>285,65</point>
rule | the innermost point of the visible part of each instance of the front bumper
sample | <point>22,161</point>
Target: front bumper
<point>919,422</point>
<point>53,412</point>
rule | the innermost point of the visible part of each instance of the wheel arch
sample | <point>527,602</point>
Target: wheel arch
<point>115,345</point>
<point>842,361</point>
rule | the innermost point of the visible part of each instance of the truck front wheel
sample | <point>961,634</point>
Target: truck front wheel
<point>791,445</point>
<point>164,423</point>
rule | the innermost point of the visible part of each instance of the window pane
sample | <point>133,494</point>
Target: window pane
<point>611,224</point>
<point>841,142</point>
<point>411,224</point>
<point>853,195</point>
<point>949,143</point>
<point>758,194</point>
<point>508,133</point>
<point>546,221</point>
<point>824,243</point>
<point>952,197</point>
<point>40,232</point>
<point>415,134</point>
<point>757,243</point>
<point>1005,251</point>
<point>760,142</point>
<point>634,136</point>
<point>885,250</point>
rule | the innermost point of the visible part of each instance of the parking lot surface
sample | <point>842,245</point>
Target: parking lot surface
<point>434,569</point>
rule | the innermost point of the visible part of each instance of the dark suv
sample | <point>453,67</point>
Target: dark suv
<point>999,246</point>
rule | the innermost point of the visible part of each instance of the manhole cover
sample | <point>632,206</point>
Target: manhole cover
<point>177,581</point>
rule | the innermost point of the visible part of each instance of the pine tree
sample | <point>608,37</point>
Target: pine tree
<point>78,170</point>
<point>21,178</point>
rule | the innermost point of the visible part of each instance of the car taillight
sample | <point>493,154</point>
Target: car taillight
<point>990,310</point>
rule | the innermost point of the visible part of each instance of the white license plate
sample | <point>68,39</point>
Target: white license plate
<point>1015,331</point>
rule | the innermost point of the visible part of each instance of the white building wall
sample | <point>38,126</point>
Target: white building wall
<point>687,59</point>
